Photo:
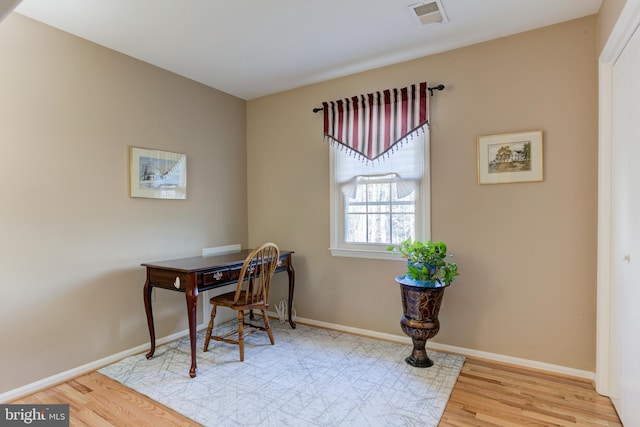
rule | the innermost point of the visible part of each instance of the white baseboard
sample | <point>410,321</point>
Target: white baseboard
<point>85,369</point>
<point>526,363</point>
<point>92,366</point>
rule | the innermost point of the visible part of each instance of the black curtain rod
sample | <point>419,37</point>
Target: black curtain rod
<point>431,89</point>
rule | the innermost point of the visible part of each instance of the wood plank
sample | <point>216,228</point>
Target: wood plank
<point>502,394</point>
<point>547,398</point>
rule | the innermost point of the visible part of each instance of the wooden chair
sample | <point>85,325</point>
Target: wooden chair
<point>252,293</point>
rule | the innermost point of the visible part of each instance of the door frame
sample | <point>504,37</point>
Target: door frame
<point>626,25</point>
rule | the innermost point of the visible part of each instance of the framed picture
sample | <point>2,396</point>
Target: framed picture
<point>510,157</point>
<point>158,174</point>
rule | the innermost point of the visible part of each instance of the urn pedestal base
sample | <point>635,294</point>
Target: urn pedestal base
<point>420,305</point>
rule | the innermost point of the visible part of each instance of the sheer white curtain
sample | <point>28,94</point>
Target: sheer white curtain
<point>405,167</point>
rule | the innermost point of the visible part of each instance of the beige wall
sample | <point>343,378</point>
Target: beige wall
<point>606,19</point>
<point>71,239</point>
<point>6,6</point>
<point>527,252</point>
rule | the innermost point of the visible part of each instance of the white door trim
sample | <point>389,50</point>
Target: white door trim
<point>624,28</point>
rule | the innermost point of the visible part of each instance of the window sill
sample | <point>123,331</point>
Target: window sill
<point>361,253</point>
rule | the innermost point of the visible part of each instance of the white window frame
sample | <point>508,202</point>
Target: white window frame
<point>339,247</point>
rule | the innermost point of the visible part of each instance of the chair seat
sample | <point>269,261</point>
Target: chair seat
<point>227,300</point>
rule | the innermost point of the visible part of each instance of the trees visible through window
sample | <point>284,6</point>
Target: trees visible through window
<point>376,215</point>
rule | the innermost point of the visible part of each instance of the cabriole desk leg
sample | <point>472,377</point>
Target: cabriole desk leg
<point>292,280</point>
<point>148,309</point>
<point>192,304</point>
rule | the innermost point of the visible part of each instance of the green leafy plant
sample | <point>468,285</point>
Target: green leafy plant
<point>426,261</point>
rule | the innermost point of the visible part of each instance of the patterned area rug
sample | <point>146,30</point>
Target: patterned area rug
<point>310,377</point>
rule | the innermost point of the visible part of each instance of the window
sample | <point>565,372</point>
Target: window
<point>379,170</point>
<point>378,203</point>
<point>376,214</point>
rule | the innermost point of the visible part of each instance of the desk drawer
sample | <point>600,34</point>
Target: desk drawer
<point>168,279</point>
<point>220,276</point>
<point>216,277</point>
<point>283,262</point>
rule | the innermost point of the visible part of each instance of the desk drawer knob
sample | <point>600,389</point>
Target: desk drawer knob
<point>217,275</point>
<point>177,282</point>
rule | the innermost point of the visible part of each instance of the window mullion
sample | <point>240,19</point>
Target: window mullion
<point>366,212</point>
<point>390,236</point>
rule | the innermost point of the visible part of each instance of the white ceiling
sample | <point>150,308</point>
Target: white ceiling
<point>253,48</point>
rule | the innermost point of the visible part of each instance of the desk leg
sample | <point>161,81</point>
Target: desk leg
<point>192,304</point>
<point>292,280</point>
<point>148,309</point>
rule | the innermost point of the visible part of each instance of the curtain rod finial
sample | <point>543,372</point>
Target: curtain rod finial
<point>439,87</point>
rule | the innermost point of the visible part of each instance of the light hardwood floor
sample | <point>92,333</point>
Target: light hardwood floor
<point>489,394</point>
<point>486,394</point>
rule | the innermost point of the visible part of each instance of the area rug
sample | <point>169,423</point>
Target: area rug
<point>310,377</point>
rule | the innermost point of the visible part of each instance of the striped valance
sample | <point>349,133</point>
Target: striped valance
<point>371,125</point>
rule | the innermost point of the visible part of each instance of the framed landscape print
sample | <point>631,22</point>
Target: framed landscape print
<point>510,157</point>
<point>158,174</point>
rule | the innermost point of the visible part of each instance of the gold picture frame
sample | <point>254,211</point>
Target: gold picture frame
<point>510,157</point>
<point>157,174</point>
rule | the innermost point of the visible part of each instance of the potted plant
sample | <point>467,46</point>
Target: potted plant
<point>422,288</point>
<point>426,263</point>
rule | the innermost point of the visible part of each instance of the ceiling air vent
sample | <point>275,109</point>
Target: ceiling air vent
<point>429,12</point>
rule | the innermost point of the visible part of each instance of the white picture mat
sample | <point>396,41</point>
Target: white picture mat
<point>488,146</point>
<point>157,174</point>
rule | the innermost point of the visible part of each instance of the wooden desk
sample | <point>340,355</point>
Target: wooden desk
<point>197,274</point>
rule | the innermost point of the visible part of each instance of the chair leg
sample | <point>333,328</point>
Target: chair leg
<point>209,328</point>
<point>241,333</point>
<point>267,326</point>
